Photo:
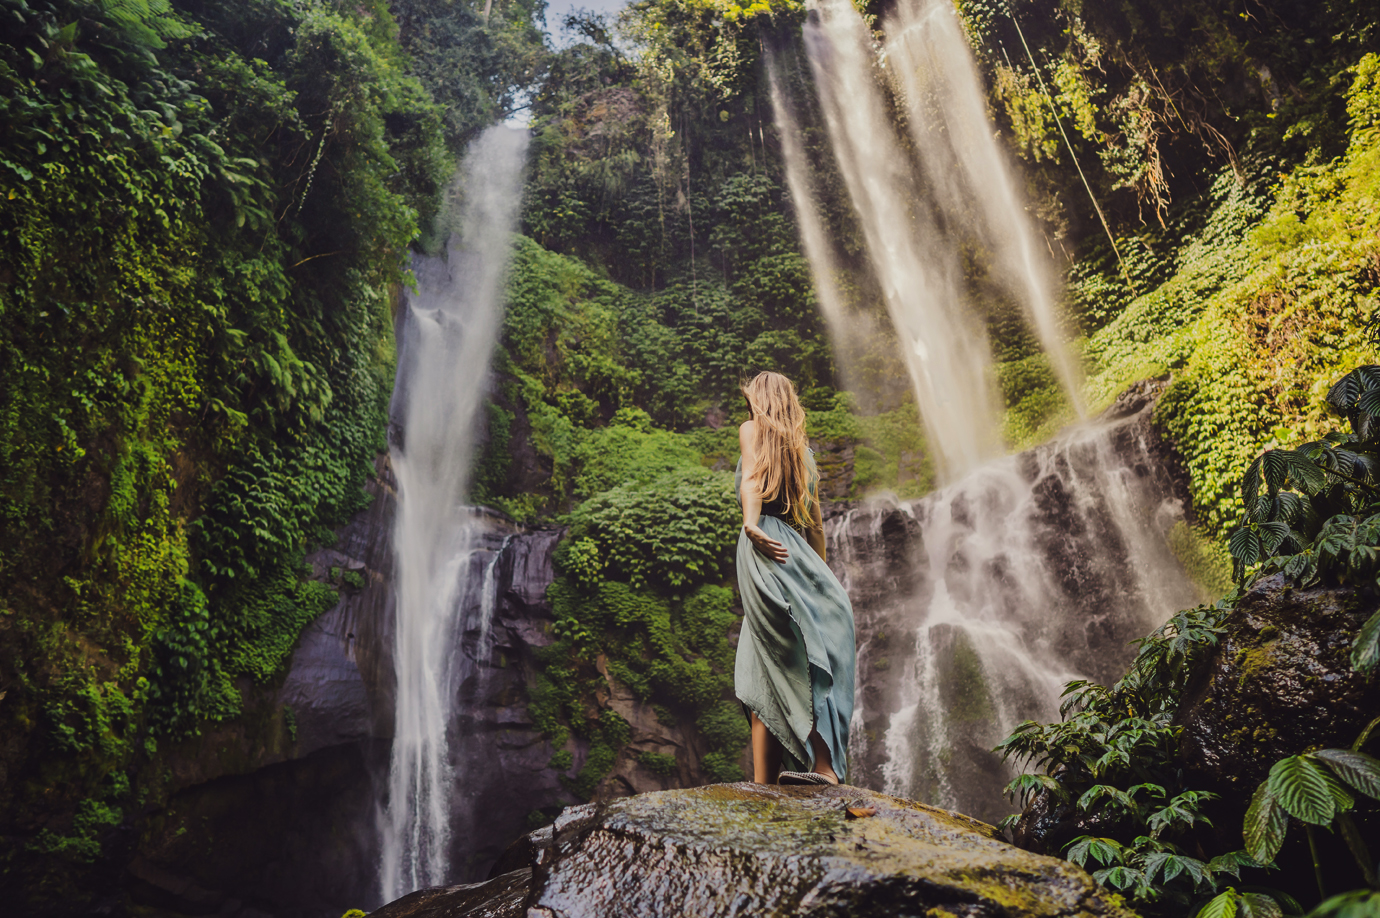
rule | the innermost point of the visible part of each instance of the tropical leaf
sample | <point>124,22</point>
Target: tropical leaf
<point>1357,769</point>
<point>1259,905</point>
<point>1365,652</point>
<point>1027,786</point>
<point>1273,534</point>
<point>1300,786</point>
<point>1288,903</point>
<point>1245,547</point>
<point>1223,905</point>
<point>1170,865</point>
<point>1359,903</point>
<point>1304,473</point>
<point>1099,792</point>
<point>1102,850</point>
<point>1274,469</point>
<point>1265,825</point>
<point>1123,878</point>
<point>1250,482</point>
<point>1232,862</point>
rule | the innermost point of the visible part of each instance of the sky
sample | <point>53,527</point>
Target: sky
<point>557,10</point>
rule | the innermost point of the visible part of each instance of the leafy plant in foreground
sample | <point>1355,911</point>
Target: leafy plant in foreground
<point>1111,760</point>
<point>1313,512</point>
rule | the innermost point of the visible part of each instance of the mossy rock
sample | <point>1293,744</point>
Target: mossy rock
<point>1279,683</point>
<point>749,849</point>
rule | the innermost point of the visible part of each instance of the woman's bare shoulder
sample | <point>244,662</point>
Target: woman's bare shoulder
<point>746,429</point>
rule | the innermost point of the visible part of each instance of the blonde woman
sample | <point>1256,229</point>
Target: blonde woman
<point>794,669</point>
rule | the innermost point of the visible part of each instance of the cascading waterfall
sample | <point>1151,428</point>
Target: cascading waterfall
<point>935,76</point>
<point>448,333</point>
<point>945,348</point>
<point>1035,569</point>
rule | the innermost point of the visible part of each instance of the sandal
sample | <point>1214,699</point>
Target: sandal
<point>804,777</point>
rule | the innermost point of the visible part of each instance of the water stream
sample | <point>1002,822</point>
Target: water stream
<point>447,336</point>
<point>1028,570</point>
<point>1034,570</point>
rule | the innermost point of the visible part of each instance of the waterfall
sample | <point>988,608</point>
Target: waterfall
<point>913,256</point>
<point>976,603</point>
<point>1024,572</point>
<point>1033,571</point>
<point>448,331</point>
<point>935,77</point>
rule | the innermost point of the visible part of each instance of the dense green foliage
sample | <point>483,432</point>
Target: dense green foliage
<point>208,208</point>
<point>1259,317</point>
<point>207,213</point>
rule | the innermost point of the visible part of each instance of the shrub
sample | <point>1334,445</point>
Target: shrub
<point>657,763</point>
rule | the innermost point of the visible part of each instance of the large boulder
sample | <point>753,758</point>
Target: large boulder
<point>1279,683</point>
<point>749,849</point>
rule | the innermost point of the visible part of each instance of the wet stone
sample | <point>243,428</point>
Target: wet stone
<point>778,852</point>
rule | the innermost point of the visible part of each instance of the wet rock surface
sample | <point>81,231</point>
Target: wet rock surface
<point>746,849</point>
<point>504,896</point>
<point>975,603</point>
<point>1279,683</point>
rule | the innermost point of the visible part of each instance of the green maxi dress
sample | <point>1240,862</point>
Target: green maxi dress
<point>796,654</point>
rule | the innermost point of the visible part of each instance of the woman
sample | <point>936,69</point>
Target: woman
<point>794,670</point>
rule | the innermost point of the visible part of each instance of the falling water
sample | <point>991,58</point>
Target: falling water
<point>935,76</point>
<point>448,333</point>
<point>1030,570</point>
<point>915,262</point>
<point>976,603</point>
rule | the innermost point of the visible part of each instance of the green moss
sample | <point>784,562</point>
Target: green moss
<point>1205,560</point>
<point>970,698</point>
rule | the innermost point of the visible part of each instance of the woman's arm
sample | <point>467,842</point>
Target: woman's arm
<point>815,534</point>
<point>752,499</point>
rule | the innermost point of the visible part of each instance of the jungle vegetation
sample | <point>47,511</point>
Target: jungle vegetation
<point>206,212</point>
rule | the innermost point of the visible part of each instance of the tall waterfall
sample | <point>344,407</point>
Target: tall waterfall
<point>945,348</point>
<point>936,78</point>
<point>1027,571</point>
<point>448,333</point>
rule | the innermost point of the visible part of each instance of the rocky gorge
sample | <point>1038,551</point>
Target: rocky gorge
<point>311,843</point>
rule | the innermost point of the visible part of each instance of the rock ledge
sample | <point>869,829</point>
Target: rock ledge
<point>747,849</point>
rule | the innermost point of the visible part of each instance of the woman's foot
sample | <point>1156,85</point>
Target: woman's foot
<point>807,777</point>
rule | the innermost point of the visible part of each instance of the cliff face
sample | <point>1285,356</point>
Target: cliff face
<point>280,814</point>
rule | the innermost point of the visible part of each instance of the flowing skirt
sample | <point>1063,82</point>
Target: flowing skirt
<point>796,654</point>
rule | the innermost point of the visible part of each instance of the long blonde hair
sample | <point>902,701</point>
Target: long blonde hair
<point>779,443</point>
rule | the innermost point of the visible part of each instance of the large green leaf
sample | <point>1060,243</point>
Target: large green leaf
<point>1300,786</point>
<point>1265,825</point>
<point>1359,770</point>
<point>1245,547</point>
<point>1250,482</point>
<point>1259,905</point>
<point>1274,468</point>
<point>1223,905</point>
<point>1365,653</point>
<point>1304,473</point>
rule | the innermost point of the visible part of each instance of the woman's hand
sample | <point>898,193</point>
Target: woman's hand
<point>765,543</point>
